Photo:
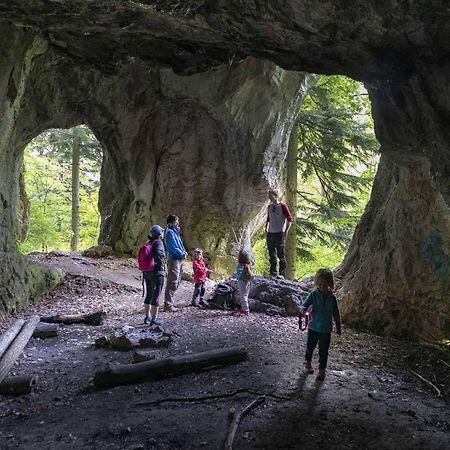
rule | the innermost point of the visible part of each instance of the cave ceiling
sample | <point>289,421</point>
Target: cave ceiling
<point>362,39</point>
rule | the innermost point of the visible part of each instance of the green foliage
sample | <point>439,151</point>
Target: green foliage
<point>337,157</point>
<point>336,163</point>
<point>47,173</point>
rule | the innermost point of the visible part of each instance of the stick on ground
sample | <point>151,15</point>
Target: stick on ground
<point>236,418</point>
<point>427,382</point>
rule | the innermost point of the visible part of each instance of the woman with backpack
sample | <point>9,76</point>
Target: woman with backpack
<point>152,262</point>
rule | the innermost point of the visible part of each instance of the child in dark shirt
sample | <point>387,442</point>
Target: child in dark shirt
<point>323,309</point>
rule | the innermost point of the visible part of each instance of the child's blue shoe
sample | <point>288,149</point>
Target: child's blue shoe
<point>156,321</point>
<point>147,320</point>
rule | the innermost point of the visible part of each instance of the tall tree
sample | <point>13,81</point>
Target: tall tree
<point>291,200</point>
<point>335,159</point>
<point>76,151</point>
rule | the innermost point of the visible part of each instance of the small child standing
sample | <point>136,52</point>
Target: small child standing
<point>200,275</point>
<point>244,277</point>
<point>324,309</point>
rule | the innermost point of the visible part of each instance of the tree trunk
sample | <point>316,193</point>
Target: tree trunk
<point>17,346</point>
<point>291,200</point>
<point>75,192</point>
<point>167,367</point>
<point>8,336</point>
<point>95,318</point>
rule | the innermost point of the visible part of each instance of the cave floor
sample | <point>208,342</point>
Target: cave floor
<point>369,400</point>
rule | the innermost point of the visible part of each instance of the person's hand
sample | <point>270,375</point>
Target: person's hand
<point>284,236</point>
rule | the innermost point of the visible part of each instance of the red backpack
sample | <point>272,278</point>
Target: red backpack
<point>146,260</point>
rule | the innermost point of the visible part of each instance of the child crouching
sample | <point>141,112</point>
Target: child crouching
<point>324,309</point>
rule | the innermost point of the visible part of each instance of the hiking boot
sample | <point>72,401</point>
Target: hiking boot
<point>170,308</point>
<point>321,375</point>
<point>147,320</point>
<point>280,277</point>
<point>156,321</point>
<point>203,302</point>
<point>308,368</point>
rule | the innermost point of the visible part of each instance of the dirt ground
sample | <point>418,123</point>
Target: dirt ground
<point>370,398</point>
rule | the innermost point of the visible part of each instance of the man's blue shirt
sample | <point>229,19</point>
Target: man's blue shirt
<point>174,244</point>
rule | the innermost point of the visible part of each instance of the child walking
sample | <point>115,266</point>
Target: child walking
<point>324,309</point>
<point>154,279</point>
<point>244,277</point>
<point>200,275</point>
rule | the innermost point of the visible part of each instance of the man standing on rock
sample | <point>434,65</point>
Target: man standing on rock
<point>176,253</point>
<point>279,220</point>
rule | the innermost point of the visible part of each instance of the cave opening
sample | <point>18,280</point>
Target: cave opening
<point>59,191</point>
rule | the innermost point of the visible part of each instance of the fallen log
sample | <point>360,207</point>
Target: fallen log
<point>19,385</point>
<point>8,336</point>
<point>16,347</point>
<point>95,318</point>
<point>167,367</point>
<point>46,330</point>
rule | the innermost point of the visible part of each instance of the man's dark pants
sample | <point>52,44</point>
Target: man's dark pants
<point>275,245</point>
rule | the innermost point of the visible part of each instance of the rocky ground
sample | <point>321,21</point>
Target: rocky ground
<point>371,398</point>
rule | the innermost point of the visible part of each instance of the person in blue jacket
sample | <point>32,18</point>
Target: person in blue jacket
<point>175,255</point>
<point>322,307</point>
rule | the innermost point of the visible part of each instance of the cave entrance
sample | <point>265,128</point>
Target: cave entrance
<point>331,169</point>
<point>59,191</point>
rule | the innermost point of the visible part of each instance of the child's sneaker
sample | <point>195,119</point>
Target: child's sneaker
<point>194,303</point>
<point>156,321</point>
<point>321,375</point>
<point>147,320</point>
<point>243,313</point>
<point>203,302</point>
<point>308,368</point>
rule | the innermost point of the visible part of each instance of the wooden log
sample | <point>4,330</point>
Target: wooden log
<point>167,367</point>
<point>8,336</point>
<point>95,318</point>
<point>46,330</point>
<point>16,347</point>
<point>19,385</point>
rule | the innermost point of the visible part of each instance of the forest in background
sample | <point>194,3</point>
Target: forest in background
<point>336,158</point>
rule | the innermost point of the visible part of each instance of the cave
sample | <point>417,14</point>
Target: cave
<point>194,102</point>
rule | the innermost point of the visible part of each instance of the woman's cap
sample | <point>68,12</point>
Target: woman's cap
<point>156,230</point>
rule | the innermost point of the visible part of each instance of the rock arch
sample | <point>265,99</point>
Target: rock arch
<point>399,49</point>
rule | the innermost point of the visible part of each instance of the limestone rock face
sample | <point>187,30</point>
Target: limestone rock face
<point>396,273</point>
<point>204,147</point>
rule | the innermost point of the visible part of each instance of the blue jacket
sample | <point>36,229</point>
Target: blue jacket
<point>174,245</point>
<point>324,310</point>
